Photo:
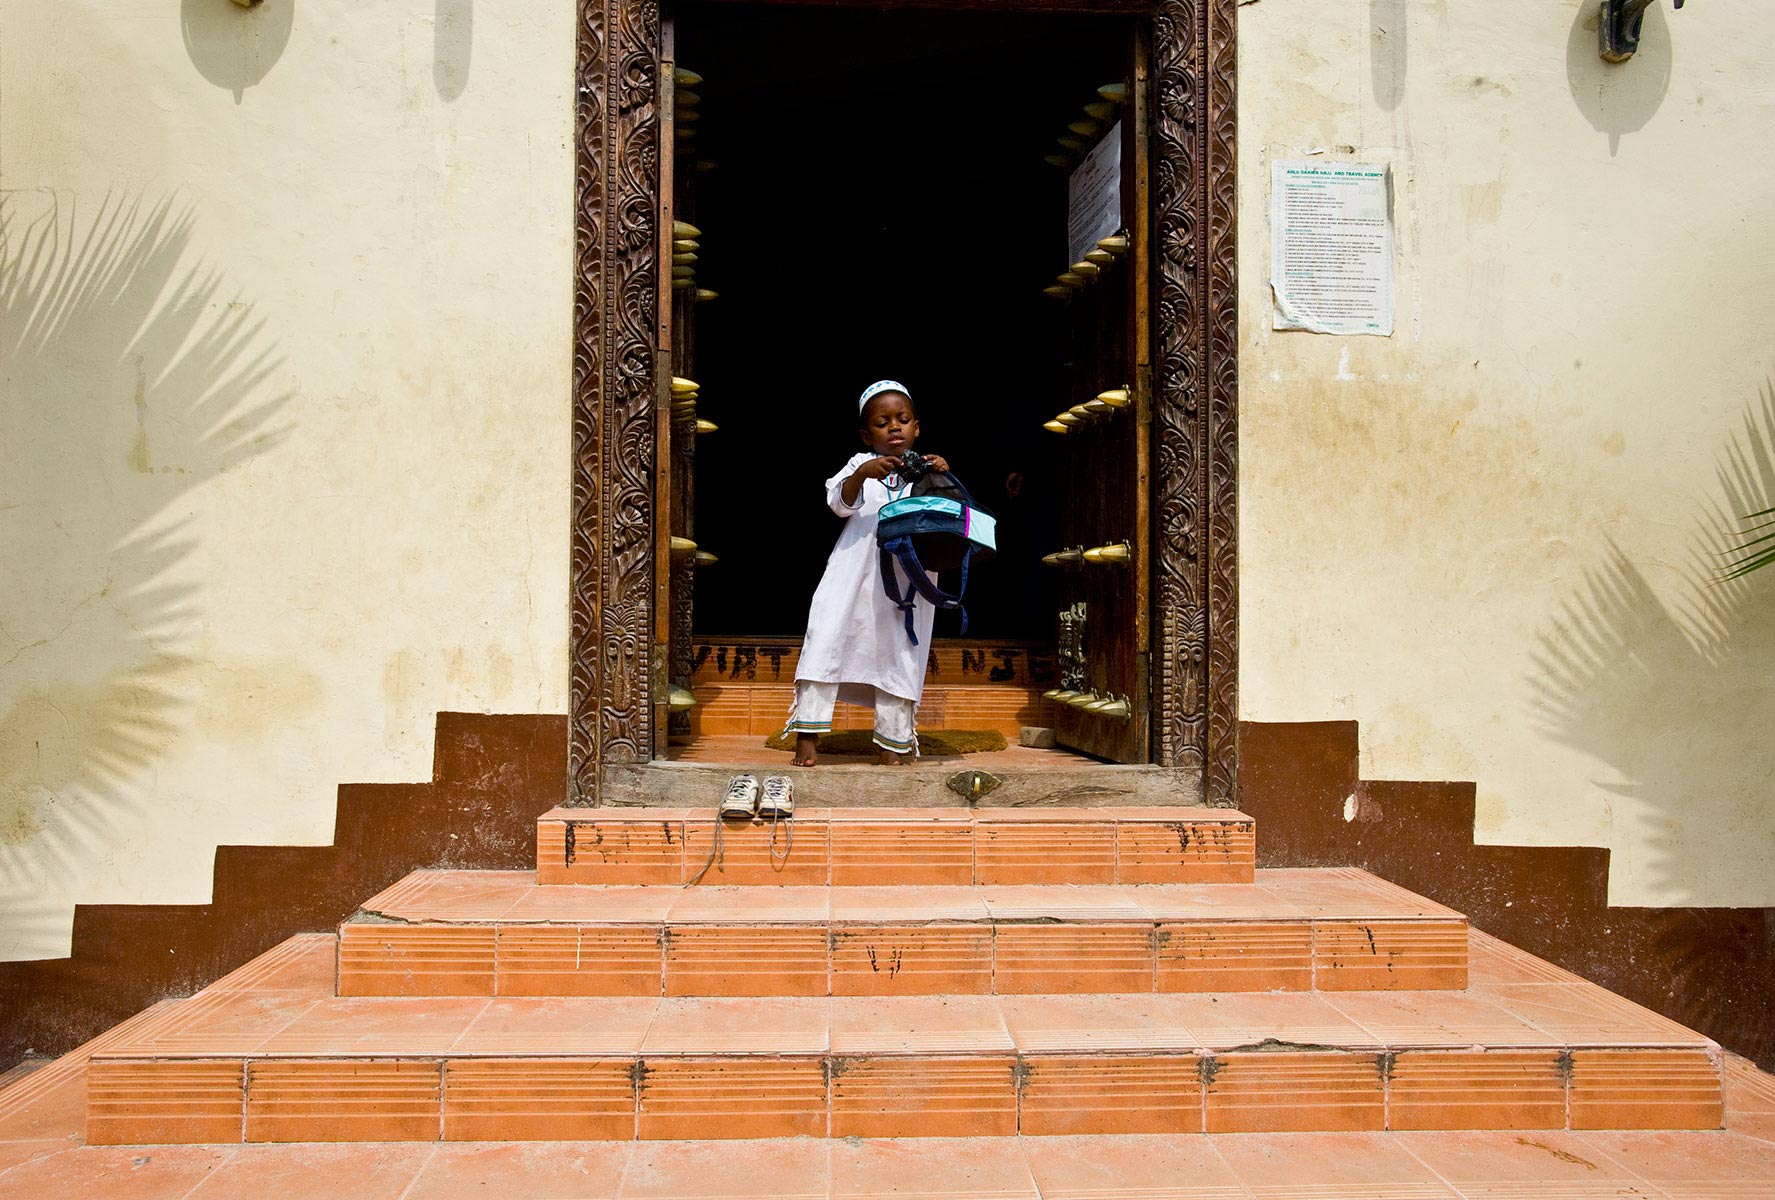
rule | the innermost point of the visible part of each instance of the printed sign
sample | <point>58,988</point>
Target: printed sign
<point>1331,247</point>
<point>1094,196</point>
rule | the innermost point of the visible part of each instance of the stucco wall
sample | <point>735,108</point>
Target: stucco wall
<point>1489,537</point>
<point>284,349</point>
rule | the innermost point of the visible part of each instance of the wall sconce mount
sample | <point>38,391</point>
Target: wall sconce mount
<point>1618,33</point>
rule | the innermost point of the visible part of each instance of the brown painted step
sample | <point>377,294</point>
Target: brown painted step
<point>887,846</point>
<point>486,933</point>
<point>287,1063</point>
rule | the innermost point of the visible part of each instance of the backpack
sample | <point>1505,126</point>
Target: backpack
<point>936,527</point>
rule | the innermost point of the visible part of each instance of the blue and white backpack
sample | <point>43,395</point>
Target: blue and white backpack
<point>937,527</point>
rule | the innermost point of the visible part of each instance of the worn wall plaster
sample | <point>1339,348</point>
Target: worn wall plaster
<point>1489,537</point>
<point>284,344</point>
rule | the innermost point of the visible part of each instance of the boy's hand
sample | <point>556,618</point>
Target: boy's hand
<point>879,468</point>
<point>938,462</point>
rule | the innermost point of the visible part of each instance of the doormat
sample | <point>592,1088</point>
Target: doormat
<point>938,742</point>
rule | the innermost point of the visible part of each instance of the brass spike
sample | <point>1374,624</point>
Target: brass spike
<point>1065,696</point>
<point>1072,557</point>
<point>1101,110</point>
<point>683,260</point>
<point>1055,426</point>
<point>1086,128</point>
<point>702,558</point>
<point>685,387</point>
<point>1072,279</point>
<point>1083,699</point>
<point>703,167</point>
<point>1073,143</point>
<point>683,229</point>
<point>1115,397</point>
<point>1068,419</point>
<point>1088,269</point>
<point>703,427</point>
<point>1115,93</point>
<point>1117,710</point>
<point>1115,243</point>
<point>686,116</point>
<point>1058,291</point>
<point>706,294</point>
<point>685,245</point>
<point>1096,407</point>
<point>1081,412</point>
<point>682,548</point>
<point>1051,694</point>
<point>680,699</point>
<point>687,99</point>
<point>686,78</point>
<point>680,285</point>
<point>684,272</point>
<point>1057,160</point>
<point>1101,257</point>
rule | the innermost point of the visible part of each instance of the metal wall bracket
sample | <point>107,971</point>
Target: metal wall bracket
<point>1618,33</point>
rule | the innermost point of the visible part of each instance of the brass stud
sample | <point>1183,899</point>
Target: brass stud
<point>682,549</point>
<point>703,427</point>
<point>1115,93</point>
<point>685,245</point>
<point>1055,426</point>
<point>1086,128</point>
<point>1068,419</point>
<point>687,78</point>
<point>1101,257</point>
<point>1102,110</point>
<point>1057,291</point>
<point>1087,269</point>
<point>706,294</point>
<point>682,230</point>
<point>1096,407</point>
<point>1115,243</point>
<point>683,260</point>
<point>681,285</point>
<point>1072,279</point>
<point>1115,397</point>
<point>702,558</point>
<point>685,387</point>
<point>1057,160</point>
<point>684,272</point>
<point>688,99</point>
<point>1072,143</point>
<point>680,699</point>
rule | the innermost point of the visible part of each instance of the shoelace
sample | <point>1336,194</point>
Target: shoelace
<point>774,791</point>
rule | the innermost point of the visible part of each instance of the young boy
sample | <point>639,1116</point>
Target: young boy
<point>856,648</point>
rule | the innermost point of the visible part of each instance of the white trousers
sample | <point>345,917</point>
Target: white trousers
<point>894,726</point>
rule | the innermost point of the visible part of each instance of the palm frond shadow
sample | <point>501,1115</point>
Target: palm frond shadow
<point>113,343</point>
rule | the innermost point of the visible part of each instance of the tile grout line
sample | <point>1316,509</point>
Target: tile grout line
<point>422,1168</point>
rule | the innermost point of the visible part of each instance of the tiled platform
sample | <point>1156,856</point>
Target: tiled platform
<point>487,933</point>
<point>269,1054</point>
<point>884,846</point>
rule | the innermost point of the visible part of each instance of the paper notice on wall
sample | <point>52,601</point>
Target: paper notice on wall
<point>1331,247</point>
<point>1094,196</point>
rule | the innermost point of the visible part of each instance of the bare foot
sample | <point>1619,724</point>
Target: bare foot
<point>807,750</point>
<point>890,759</point>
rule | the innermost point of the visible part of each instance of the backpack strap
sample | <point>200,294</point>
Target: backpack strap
<point>902,550</point>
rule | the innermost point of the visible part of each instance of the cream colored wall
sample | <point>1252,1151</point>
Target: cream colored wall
<point>285,357</point>
<point>1488,537</point>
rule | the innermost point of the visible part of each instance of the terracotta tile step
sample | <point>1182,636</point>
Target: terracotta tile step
<point>1419,1166</point>
<point>486,933</point>
<point>286,1067</point>
<point>883,846</point>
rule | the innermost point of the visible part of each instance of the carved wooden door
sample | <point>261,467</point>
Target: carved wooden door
<point>1104,558</point>
<point>676,553</point>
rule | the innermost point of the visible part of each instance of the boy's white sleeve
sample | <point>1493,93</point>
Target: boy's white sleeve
<point>835,488</point>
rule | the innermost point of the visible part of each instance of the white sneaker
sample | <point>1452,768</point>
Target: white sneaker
<point>741,801</point>
<point>779,797</point>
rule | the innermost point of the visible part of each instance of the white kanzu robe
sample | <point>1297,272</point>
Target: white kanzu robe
<point>856,637</point>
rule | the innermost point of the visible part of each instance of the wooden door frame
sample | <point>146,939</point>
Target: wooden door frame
<point>614,671</point>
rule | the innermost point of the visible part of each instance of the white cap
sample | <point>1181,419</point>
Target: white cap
<point>877,388</point>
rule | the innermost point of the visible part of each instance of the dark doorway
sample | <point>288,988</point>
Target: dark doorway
<point>879,206</point>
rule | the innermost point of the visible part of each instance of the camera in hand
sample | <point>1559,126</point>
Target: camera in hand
<point>913,466</point>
